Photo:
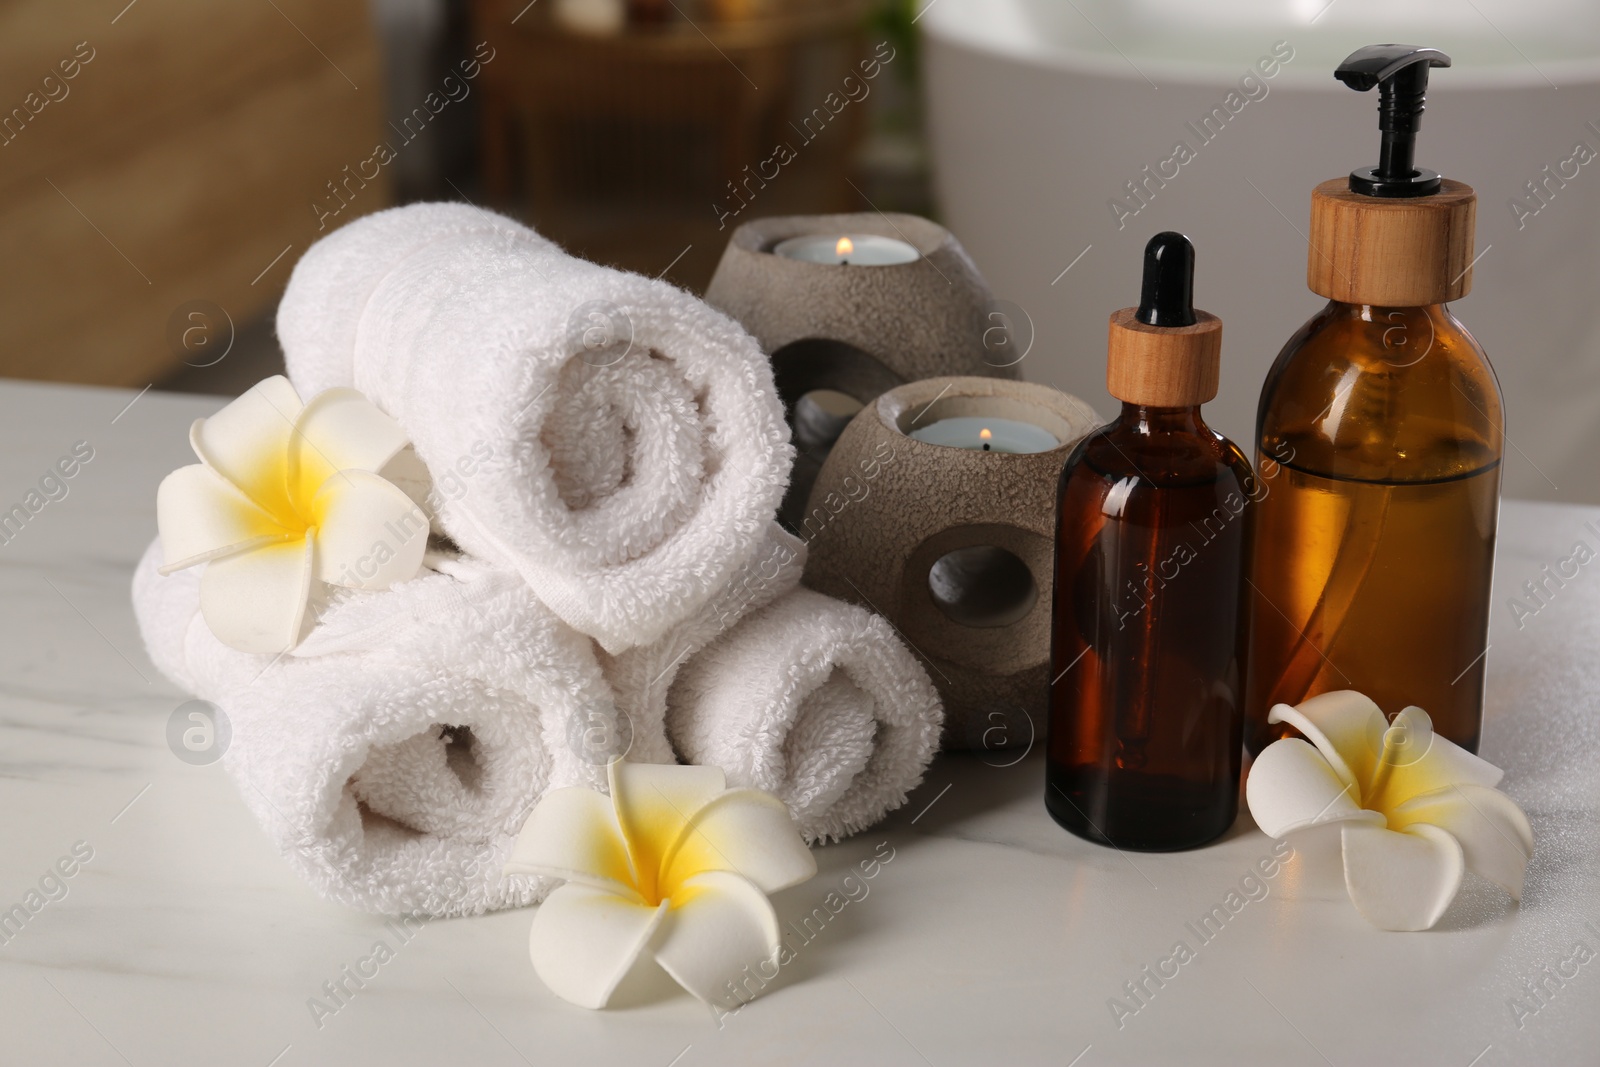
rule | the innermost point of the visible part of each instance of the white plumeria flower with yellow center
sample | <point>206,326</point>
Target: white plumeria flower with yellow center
<point>286,493</point>
<point>1414,809</point>
<point>672,864</point>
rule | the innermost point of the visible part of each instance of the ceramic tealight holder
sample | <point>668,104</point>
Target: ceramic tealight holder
<point>900,302</point>
<point>953,543</point>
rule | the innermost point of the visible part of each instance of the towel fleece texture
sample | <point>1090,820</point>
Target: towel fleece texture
<point>394,756</point>
<point>815,701</point>
<point>636,444</point>
<point>621,585</point>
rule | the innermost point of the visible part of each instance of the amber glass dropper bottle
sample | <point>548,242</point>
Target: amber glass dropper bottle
<point>1379,437</point>
<point>1152,519</point>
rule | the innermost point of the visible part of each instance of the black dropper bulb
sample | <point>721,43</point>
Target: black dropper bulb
<point>1400,71</point>
<point>1167,296</point>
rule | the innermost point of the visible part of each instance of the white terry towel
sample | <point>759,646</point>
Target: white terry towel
<point>332,282</point>
<point>636,443</point>
<point>642,676</point>
<point>396,754</point>
<point>815,701</point>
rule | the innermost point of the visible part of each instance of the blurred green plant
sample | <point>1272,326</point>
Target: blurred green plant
<point>895,21</point>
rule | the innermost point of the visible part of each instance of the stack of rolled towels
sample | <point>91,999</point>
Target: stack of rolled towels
<point>601,456</point>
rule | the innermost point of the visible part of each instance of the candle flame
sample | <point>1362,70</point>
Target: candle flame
<point>984,434</point>
<point>844,247</point>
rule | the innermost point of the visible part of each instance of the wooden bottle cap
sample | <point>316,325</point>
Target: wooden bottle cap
<point>1163,366</point>
<point>1391,252</point>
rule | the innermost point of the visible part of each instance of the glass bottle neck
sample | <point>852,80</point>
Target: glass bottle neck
<point>1142,418</point>
<point>1381,313</point>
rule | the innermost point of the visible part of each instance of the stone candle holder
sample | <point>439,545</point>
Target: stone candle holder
<point>859,330</point>
<point>955,547</point>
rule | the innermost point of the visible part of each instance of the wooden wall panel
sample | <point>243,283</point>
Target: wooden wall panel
<point>195,142</point>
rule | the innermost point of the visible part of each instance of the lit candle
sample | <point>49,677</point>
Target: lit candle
<point>853,249</point>
<point>987,433</point>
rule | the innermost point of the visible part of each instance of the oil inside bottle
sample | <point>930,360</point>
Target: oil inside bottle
<point>1146,708</point>
<point>1380,456</point>
<point>1377,586</point>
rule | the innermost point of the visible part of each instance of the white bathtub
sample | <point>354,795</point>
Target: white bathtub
<point>1040,111</point>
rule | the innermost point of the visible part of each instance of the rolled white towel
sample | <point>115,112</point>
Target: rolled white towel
<point>332,282</point>
<point>632,445</point>
<point>642,676</point>
<point>815,701</point>
<point>396,754</point>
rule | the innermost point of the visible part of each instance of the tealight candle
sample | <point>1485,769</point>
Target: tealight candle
<point>853,249</point>
<point>987,433</point>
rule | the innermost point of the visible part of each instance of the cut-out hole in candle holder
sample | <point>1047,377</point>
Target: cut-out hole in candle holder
<point>820,416</point>
<point>812,366</point>
<point>815,363</point>
<point>982,585</point>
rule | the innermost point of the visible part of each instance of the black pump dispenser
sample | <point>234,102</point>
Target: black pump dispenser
<point>1166,297</point>
<point>1400,71</point>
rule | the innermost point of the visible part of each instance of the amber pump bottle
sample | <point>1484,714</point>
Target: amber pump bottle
<point>1143,746</point>
<point>1379,437</point>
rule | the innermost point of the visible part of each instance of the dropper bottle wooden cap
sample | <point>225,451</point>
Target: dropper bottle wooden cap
<point>1165,353</point>
<point>1394,235</point>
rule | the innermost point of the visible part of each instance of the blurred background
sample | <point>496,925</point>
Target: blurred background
<point>164,163</point>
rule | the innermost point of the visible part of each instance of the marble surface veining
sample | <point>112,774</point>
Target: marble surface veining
<point>990,937</point>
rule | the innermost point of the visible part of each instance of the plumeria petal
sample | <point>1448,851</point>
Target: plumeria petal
<point>369,534</point>
<point>1293,786</point>
<point>1417,809</point>
<point>653,803</point>
<point>573,834</point>
<point>265,535</point>
<point>719,925</point>
<point>584,941</point>
<point>710,924</point>
<point>411,476</point>
<point>247,443</point>
<point>744,831</point>
<point>1346,726</point>
<point>255,601</point>
<point>339,430</point>
<point>1417,761</point>
<point>1496,840</point>
<point>1401,881</point>
<point>202,515</point>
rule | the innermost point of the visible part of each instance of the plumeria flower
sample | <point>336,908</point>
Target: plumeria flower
<point>1414,809</point>
<point>286,494</point>
<point>672,864</point>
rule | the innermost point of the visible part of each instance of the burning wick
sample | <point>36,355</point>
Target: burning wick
<point>844,248</point>
<point>984,435</point>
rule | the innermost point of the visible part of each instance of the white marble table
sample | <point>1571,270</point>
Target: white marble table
<point>992,937</point>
